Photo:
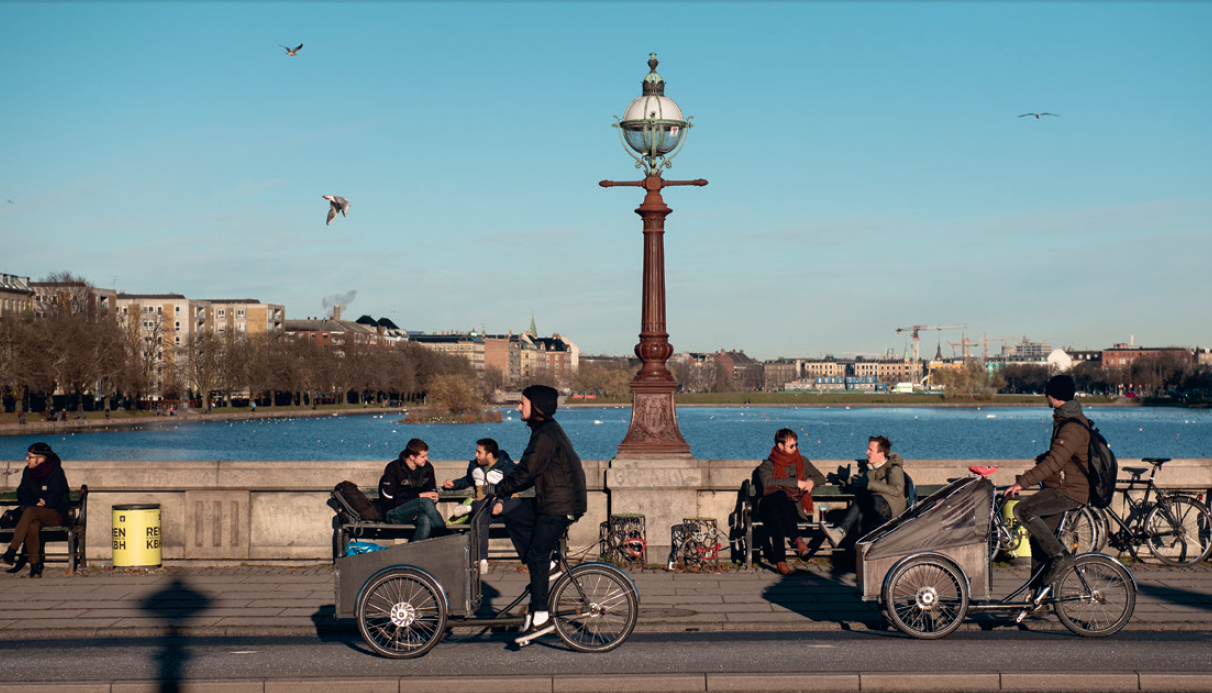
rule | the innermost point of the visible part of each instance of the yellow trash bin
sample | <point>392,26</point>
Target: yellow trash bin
<point>1023,550</point>
<point>136,531</point>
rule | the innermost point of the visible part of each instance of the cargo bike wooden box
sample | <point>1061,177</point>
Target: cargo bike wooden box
<point>929,566</point>
<point>408,596</point>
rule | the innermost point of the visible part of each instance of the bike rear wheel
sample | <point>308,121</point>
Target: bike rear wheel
<point>926,597</point>
<point>1179,531</point>
<point>1096,598</point>
<point>595,608</point>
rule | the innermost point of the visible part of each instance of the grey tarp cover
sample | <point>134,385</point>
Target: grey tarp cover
<point>956,515</point>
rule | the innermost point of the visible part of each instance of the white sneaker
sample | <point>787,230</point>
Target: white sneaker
<point>483,566</point>
<point>833,535</point>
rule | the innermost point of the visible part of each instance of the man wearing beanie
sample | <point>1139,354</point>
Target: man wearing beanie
<point>1062,471</point>
<point>553,468</point>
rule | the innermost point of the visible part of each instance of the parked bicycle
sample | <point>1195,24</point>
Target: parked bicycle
<point>1079,530</point>
<point>1175,526</point>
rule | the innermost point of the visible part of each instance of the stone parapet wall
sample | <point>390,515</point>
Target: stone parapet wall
<point>263,511</point>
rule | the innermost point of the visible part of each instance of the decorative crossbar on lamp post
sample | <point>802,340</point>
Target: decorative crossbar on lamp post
<point>653,127</point>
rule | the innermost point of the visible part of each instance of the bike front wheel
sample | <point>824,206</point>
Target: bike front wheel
<point>595,608</point>
<point>1096,597</point>
<point>402,613</point>
<point>926,597</point>
<point>1179,531</point>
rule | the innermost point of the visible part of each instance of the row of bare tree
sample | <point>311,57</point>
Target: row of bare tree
<point>82,353</point>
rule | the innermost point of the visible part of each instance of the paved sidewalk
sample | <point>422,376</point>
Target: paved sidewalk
<point>274,600</point>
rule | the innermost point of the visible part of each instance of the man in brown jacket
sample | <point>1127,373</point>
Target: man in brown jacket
<point>1062,470</point>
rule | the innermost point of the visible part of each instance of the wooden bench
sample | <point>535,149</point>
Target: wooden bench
<point>346,528</point>
<point>826,501</point>
<point>73,531</point>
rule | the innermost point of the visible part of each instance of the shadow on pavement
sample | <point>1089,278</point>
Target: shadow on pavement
<point>826,593</point>
<point>175,605</point>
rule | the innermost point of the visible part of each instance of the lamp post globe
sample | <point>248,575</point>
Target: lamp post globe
<point>654,129</point>
<point>653,125</point>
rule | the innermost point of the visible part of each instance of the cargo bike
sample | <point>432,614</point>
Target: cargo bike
<point>930,566</point>
<point>407,597</point>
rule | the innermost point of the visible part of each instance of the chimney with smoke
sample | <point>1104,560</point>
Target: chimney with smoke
<point>338,302</point>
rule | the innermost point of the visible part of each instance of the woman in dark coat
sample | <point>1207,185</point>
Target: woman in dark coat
<point>43,497</point>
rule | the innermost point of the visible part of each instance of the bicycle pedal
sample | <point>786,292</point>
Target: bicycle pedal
<point>1022,615</point>
<point>1039,598</point>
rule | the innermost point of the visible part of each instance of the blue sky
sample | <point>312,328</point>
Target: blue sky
<point>867,170</point>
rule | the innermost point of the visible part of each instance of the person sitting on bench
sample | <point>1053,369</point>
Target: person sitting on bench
<point>879,494</point>
<point>787,479</point>
<point>490,466</point>
<point>409,492</point>
<point>43,497</point>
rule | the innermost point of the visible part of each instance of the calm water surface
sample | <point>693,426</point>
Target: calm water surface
<point>713,433</point>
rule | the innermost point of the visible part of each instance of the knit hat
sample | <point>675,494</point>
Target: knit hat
<point>544,399</point>
<point>1061,387</point>
<point>42,449</point>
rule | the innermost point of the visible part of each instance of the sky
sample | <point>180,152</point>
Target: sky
<point>867,169</point>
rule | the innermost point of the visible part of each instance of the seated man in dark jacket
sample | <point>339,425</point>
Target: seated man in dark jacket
<point>409,493</point>
<point>490,466</point>
<point>553,468</point>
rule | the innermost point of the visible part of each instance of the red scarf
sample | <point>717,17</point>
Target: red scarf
<point>782,461</point>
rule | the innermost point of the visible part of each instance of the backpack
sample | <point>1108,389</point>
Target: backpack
<point>1102,469</point>
<point>348,498</point>
<point>910,490</point>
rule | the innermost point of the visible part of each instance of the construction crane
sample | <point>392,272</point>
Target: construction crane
<point>965,343</point>
<point>915,329</point>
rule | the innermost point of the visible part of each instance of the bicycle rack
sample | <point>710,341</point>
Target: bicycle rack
<point>622,539</point>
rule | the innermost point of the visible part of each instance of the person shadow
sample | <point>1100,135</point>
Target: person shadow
<point>176,604</point>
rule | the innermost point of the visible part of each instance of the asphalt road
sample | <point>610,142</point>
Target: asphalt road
<point>467,654</point>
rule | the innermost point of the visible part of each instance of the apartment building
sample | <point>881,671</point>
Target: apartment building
<point>16,296</point>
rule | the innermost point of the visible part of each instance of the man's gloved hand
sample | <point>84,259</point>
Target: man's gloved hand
<point>859,482</point>
<point>833,479</point>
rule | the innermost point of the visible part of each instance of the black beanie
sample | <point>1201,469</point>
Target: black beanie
<point>544,399</point>
<point>1061,387</point>
<point>42,449</point>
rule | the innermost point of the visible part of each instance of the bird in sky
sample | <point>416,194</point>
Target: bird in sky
<point>336,204</point>
<point>1037,115</point>
<point>292,51</point>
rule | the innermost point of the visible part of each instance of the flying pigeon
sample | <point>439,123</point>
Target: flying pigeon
<point>336,204</point>
<point>292,51</point>
<point>1037,115</point>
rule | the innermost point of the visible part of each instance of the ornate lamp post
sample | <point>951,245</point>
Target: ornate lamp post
<point>654,128</point>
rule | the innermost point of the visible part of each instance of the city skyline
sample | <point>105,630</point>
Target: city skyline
<point>868,166</point>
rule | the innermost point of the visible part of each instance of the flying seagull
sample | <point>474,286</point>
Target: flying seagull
<point>292,51</point>
<point>1037,115</point>
<point>336,204</point>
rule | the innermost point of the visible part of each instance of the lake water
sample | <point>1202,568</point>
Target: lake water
<point>713,433</point>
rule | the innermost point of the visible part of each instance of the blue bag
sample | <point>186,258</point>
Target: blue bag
<point>354,548</point>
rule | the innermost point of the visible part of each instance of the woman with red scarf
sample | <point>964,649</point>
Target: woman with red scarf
<point>43,496</point>
<point>787,480</point>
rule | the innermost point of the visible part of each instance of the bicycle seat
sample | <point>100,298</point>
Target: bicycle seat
<point>1155,461</point>
<point>982,470</point>
<point>1135,472</point>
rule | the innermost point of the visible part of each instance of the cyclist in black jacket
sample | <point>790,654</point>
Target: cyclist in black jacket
<point>553,468</point>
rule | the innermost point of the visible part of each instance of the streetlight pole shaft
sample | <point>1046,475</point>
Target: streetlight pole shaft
<point>654,427</point>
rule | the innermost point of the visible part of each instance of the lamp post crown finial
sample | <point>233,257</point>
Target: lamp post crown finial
<point>654,84</point>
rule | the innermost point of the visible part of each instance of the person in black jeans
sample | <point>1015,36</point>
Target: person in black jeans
<point>553,468</point>
<point>1063,472</point>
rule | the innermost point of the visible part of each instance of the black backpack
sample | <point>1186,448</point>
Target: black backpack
<point>349,499</point>
<point>1102,469</point>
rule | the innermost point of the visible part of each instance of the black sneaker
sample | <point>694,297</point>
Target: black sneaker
<point>531,631</point>
<point>1057,568</point>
